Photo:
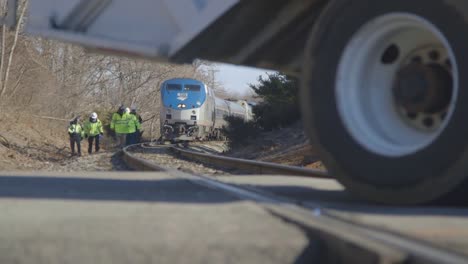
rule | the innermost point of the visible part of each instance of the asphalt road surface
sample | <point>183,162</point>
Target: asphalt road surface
<point>444,226</point>
<point>157,218</point>
<point>137,218</point>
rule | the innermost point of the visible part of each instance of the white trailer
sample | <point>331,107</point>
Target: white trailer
<point>150,28</point>
<point>383,94</point>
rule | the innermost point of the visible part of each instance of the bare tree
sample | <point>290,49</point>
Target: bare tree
<point>5,72</point>
<point>48,77</point>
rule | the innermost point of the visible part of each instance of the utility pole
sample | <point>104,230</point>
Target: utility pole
<point>213,72</point>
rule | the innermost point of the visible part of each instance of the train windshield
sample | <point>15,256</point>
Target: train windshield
<point>188,92</point>
<point>173,87</point>
<point>192,87</point>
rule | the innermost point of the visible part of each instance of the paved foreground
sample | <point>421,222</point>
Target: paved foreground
<point>157,218</point>
<point>446,227</point>
<point>136,218</point>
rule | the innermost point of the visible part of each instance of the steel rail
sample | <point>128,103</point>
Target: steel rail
<point>258,167</point>
<point>339,241</point>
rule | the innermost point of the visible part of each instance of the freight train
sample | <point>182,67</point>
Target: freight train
<point>190,111</point>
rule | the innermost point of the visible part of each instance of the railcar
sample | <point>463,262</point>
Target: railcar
<point>191,111</point>
<point>248,109</point>
<point>186,109</point>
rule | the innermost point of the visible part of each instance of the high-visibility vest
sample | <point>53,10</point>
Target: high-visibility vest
<point>122,124</point>
<point>93,129</point>
<point>134,124</point>
<point>76,129</point>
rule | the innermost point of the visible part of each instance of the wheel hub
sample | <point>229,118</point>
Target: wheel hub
<point>397,84</point>
<point>423,88</point>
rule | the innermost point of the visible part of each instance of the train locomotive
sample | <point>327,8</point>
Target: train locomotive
<point>191,111</point>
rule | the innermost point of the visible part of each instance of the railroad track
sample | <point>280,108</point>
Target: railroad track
<point>339,240</point>
<point>242,165</point>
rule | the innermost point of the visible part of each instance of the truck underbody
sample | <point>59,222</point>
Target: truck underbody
<point>274,38</point>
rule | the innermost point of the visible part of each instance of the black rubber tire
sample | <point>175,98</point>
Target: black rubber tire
<point>432,173</point>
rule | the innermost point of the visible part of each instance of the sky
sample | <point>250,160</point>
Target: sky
<point>236,79</point>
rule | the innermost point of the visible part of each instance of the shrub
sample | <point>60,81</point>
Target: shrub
<point>238,131</point>
<point>279,106</point>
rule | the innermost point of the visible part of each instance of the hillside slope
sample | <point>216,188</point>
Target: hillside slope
<point>289,146</point>
<point>28,142</point>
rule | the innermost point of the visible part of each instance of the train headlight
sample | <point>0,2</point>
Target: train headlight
<point>181,105</point>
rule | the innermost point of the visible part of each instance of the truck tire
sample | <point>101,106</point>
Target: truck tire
<point>384,97</point>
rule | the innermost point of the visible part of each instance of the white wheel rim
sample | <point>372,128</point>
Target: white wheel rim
<point>364,84</point>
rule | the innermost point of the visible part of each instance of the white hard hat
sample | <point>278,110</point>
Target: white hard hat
<point>93,115</point>
<point>127,110</point>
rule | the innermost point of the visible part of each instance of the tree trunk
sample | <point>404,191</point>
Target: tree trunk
<point>13,47</point>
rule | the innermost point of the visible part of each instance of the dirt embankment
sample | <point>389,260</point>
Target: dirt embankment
<point>28,142</point>
<point>288,146</point>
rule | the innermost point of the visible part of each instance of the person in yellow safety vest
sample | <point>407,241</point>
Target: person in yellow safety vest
<point>75,131</point>
<point>133,112</point>
<point>135,138</point>
<point>133,127</point>
<point>93,131</point>
<point>119,124</point>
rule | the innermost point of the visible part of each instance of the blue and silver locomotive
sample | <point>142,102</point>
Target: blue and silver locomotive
<point>190,110</point>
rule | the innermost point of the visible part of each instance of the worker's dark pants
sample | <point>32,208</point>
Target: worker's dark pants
<point>131,138</point>
<point>75,139</point>
<point>90,143</point>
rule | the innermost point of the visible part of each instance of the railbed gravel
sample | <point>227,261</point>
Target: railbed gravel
<point>163,157</point>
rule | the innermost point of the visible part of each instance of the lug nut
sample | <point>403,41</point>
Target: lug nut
<point>428,122</point>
